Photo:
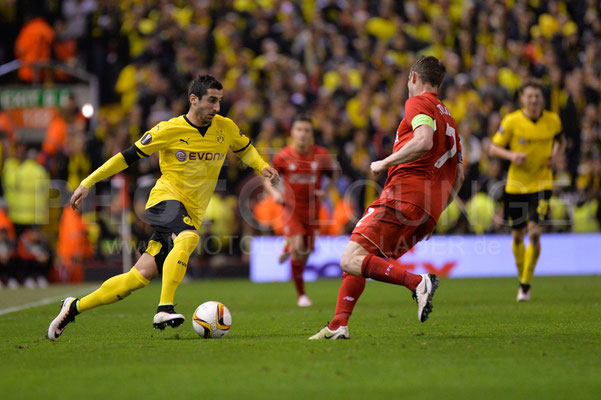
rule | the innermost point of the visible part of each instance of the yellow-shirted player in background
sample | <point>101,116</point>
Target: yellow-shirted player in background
<point>192,149</point>
<point>534,139</point>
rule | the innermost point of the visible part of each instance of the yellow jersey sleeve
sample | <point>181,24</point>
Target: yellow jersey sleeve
<point>239,140</point>
<point>112,166</point>
<point>244,150</point>
<point>154,140</point>
<point>503,136</point>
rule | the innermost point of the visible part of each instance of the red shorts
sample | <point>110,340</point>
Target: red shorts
<point>391,228</point>
<point>295,225</point>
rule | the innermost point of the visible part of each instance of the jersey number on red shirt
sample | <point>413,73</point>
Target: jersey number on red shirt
<point>450,132</point>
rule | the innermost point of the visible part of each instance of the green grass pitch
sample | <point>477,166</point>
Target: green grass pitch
<point>478,344</point>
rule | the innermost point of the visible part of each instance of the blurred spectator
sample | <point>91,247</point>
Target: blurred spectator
<point>59,131</point>
<point>586,215</point>
<point>480,213</point>
<point>7,139</point>
<point>268,214</point>
<point>74,247</point>
<point>7,248</point>
<point>26,189</point>
<point>34,44</point>
<point>34,258</point>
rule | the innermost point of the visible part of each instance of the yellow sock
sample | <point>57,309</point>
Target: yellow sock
<point>175,265</point>
<point>518,254</point>
<point>114,289</point>
<point>531,258</point>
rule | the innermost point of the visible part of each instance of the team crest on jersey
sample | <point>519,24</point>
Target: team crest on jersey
<point>181,155</point>
<point>146,139</point>
<point>522,140</point>
<point>292,167</point>
<point>313,165</point>
<point>220,137</point>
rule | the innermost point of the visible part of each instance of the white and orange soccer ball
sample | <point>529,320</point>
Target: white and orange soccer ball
<point>212,320</point>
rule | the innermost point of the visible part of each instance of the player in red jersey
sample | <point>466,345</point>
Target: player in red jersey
<point>424,171</point>
<point>303,166</point>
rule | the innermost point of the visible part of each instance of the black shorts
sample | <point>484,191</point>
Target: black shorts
<point>521,208</point>
<point>167,217</point>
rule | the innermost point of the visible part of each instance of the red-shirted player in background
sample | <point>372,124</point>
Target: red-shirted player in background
<point>302,165</point>
<point>424,172</point>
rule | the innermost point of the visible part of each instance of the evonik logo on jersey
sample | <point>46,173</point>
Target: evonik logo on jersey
<point>182,156</point>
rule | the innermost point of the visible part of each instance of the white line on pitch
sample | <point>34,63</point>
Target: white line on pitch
<point>38,303</point>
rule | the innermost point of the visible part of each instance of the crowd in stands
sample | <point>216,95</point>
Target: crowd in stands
<point>343,62</point>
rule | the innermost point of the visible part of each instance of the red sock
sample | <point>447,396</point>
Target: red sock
<point>350,290</point>
<point>388,271</point>
<point>297,268</point>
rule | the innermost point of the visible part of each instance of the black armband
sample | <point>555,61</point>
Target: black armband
<point>132,154</point>
<point>244,148</point>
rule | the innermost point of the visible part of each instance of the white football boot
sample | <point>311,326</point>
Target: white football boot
<point>167,316</point>
<point>327,333</point>
<point>66,315</point>
<point>304,301</point>
<point>423,294</point>
<point>522,295</point>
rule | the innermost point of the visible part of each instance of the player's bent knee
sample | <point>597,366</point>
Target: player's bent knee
<point>351,264</point>
<point>188,240</point>
<point>300,254</point>
<point>147,266</point>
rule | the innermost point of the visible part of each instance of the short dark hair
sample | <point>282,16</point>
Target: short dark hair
<point>533,83</point>
<point>302,118</point>
<point>429,69</point>
<point>201,84</point>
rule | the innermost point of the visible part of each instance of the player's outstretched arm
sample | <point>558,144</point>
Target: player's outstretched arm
<point>515,157</point>
<point>559,147</point>
<point>414,149</point>
<point>112,166</point>
<point>250,156</point>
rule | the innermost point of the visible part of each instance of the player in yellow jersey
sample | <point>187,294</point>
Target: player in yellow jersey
<point>192,149</point>
<point>531,139</point>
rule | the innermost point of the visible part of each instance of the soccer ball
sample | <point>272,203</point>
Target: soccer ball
<point>212,320</point>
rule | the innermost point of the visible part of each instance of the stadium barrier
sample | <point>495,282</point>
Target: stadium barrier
<point>448,256</point>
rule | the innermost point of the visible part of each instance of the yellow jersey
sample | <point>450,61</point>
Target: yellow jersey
<point>191,157</point>
<point>535,139</point>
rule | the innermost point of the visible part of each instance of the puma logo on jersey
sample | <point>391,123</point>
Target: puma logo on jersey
<point>185,141</point>
<point>146,139</point>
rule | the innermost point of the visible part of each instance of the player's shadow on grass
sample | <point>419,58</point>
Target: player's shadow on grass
<point>179,337</point>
